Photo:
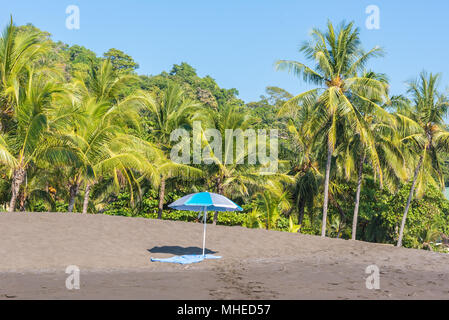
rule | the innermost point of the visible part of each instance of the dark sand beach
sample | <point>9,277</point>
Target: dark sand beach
<point>113,254</point>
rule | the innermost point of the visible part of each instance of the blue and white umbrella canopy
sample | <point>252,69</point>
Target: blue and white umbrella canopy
<point>205,201</point>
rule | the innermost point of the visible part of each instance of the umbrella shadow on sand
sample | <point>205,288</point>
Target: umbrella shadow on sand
<point>179,251</point>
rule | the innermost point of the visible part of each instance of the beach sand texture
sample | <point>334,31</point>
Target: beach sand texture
<point>113,254</point>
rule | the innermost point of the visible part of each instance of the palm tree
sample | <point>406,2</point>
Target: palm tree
<point>303,129</point>
<point>174,111</point>
<point>99,136</point>
<point>171,111</point>
<point>338,56</point>
<point>336,225</point>
<point>17,52</point>
<point>427,135</point>
<point>122,157</point>
<point>160,170</point>
<point>428,236</point>
<point>103,82</point>
<point>381,147</point>
<point>253,220</point>
<point>98,119</point>
<point>229,172</point>
<point>353,154</point>
<point>36,190</point>
<point>33,140</point>
<point>271,202</point>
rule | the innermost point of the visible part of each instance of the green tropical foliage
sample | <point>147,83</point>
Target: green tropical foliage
<point>87,133</point>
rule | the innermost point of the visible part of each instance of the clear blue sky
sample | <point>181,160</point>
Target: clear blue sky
<point>237,41</point>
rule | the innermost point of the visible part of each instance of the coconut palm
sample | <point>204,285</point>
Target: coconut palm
<point>271,202</point>
<point>428,237</point>
<point>36,190</point>
<point>100,137</point>
<point>427,135</point>
<point>339,57</point>
<point>171,111</point>
<point>33,140</point>
<point>386,156</point>
<point>303,129</point>
<point>353,154</point>
<point>160,170</point>
<point>17,52</point>
<point>125,156</point>
<point>336,225</point>
<point>174,111</point>
<point>253,220</point>
<point>103,82</point>
<point>229,171</point>
<point>98,117</point>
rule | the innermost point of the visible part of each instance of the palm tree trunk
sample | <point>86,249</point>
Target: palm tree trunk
<point>302,206</point>
<point>326,190</point>
<point>86,198</point>
<point>161,198</point>
<point>357,198</point>
<point>17,180</point>
<point>381,183</point>
<point>215,218</point>
<point>74,188</point>
<point>1,120</point>
<point>220,191</point>
<point>407,207</point>
<point>22,200</point>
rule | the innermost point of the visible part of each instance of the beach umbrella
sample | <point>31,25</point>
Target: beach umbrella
<point>204,202</point>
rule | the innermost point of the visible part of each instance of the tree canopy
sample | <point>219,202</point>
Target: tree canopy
<point>82,132</point>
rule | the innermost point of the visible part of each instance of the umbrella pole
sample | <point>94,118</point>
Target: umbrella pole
<point>204,232</point>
